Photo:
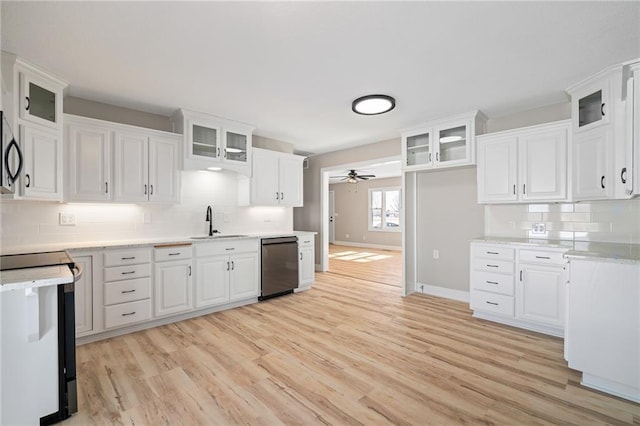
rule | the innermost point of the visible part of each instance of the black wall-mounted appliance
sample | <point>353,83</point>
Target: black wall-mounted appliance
<point>11,161</point>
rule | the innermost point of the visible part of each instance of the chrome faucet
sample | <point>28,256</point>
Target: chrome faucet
<point>209,219</point>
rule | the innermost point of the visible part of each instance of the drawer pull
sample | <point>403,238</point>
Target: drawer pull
<point>128,291</point>
<point>128,258</point>
<point>492,252</point>
<point>129,272</point>
<point>134,312</point>
<point>492,303</point>
<point>493,266</point>
<point>543,257</point>
<point>229,249</point>
<point>492,282</point>
<point>174,254</point>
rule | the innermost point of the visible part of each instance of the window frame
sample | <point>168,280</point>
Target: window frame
<point>383,227</point>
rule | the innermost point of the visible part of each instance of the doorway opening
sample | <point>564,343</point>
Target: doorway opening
<point>361,239</point>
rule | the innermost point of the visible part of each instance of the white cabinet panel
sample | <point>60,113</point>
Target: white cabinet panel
<point>212,281</point>
<point>163,166</point>
<point>131,167</point>
<point>290,180</point>
<point>497,169</point>
<point>541,295</point>
<point>84,295</point>
<point>42,174</point>
<point>591,168</point>
<point>543,165</point>
<point>244,280</point>
<point>89,158</point>
<point>173,290</point>
<point>277,179</point>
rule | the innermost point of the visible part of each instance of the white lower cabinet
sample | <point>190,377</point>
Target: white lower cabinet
<point>172,280</point>
<point>306,261</point>
<point>212,281</point>
<point>519,286</point>
<point>126,288</point>
<point>83,290</point>
<point>603,330</point>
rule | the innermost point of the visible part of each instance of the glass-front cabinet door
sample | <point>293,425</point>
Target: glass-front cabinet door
<point>417,148</point>
<point>40,101</point>
<point>204,140</point>
<point>236,146</point>
<point>453,144</point>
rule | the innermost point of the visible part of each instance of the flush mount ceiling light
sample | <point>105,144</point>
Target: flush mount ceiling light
<point>373,104</point>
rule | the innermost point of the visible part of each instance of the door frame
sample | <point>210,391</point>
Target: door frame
<point>332,216</point>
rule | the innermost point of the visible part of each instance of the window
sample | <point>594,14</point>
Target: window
<point>384,209</point>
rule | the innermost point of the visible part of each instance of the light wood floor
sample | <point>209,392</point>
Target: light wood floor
<point>337,354</point>
<point>382,266</point>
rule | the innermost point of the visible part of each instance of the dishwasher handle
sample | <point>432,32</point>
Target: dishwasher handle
<point>279,240</point>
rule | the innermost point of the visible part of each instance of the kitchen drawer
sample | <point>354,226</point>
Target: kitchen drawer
<point>492,265</point>
<point>127,291</point>
<point>492,282</point>
<point>490,302</point>
<point>127,313</point>
<point>161,254</point>
<point>305,241</point>
<point>542,257</point>
<point>492,252</point>
<point>126,257</point>
<point>119,273</point>
<point>227,247</point>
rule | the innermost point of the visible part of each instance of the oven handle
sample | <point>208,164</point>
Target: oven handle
<point>78,274</point>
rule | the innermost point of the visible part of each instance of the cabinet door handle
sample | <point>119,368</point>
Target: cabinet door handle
<point>492,303</point>
<point>492,282</point>
<point>520,275</point>
<point>277,196</point>
<point>106,187</point>
<point>543,257</point>
<point>492,266</point>
<point>514,189</point>
<point>300,255</point>
<point>623,175</point>
<point>429,157</point>
<point>227,266</point>
<point>281,196</point>
<point>524,189</point>
<point>28,103</point>
<point>28,179</point>
<point>218,152</point>
<point>130,313</point>
<point>128,258</point>
<point>602,182</point>
<point>233,265</point>
<point>145,189</point>
<point>602,109</point>
<point>150,189</point>
<point>189,270</point>
<point>437,156</point>
<point>128,291</point>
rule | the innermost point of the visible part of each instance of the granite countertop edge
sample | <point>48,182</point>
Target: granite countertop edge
<point>23,279</point>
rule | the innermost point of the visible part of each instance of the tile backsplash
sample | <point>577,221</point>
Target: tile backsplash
<point>29,223</point>
<point>606,221</point>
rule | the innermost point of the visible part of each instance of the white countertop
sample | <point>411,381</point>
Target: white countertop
<point>608,252</point>
<point>96,245</point>
<point>20,279</point>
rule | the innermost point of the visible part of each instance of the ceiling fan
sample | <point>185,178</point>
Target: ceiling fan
<point>353,176</point>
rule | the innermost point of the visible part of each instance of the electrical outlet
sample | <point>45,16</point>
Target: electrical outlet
<point>364,238</point>
<point>67,219</point>
<point>539,228</point>
<point>436,254</point>
<point>347,235</point>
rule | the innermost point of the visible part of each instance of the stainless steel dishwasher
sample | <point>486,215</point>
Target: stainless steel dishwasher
<point>279,266</point>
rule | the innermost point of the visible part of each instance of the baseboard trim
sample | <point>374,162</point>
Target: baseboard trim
<point>365,245</point>
<point>448,293</point>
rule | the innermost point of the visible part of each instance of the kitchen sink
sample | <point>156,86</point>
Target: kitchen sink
<point>216,237</point>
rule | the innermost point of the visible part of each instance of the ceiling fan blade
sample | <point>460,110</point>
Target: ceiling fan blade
<point>362,178</point>
<point>367,176</point>
<point>336,177</point>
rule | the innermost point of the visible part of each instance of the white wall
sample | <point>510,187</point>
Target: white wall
<point>29,223</point>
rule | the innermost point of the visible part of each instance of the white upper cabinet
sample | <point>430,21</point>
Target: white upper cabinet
<point>629,171</point>
<point>524,165</point>
<point>89,161</point>
<point>276,180</point>
<point>448,142</point>
<point>42,173</point>
<point>600,148</point>
<point>211,141</point>
<point>116,162</point>
<point>32,102</point>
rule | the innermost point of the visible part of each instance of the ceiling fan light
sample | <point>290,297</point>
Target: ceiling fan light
<point>373,104</point>
<point>352,180</point>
